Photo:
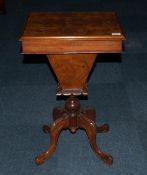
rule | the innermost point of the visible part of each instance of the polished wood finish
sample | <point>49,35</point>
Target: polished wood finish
<point>71,41</point>
<point>2,6</point>
<point>73,32</point>
<point>72,71</point>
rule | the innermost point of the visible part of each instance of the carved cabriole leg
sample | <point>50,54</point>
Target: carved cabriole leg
<point>55,130</point>
<point>58,112</point>
<point>72,118</point>
<point>90,128</point>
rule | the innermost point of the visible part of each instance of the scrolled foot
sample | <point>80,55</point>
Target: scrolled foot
<point>54,130</point>
<point>41,159</point>
<point>103,128</point>
<point>46,129</point>
<point>107,159</point>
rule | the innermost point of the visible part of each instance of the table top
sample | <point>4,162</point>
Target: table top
<point>73,25</point>
<point>71,32</point>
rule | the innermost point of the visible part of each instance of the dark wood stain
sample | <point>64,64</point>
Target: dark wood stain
<point>71,41</point>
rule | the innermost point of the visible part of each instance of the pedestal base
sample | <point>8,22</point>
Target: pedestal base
<point>72,118</point>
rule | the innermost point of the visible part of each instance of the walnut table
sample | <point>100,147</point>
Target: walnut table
<point>71,41</point>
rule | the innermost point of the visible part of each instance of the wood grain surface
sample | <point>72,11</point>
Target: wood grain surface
<point>72,71</point>
<point>71,32</point>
